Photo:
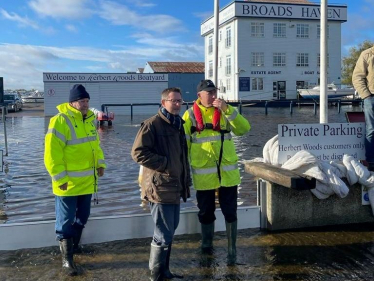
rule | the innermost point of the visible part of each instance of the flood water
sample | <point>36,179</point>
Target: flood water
<point>25,184</point>
<point>326,253</point>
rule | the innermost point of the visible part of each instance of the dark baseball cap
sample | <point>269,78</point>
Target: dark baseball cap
<point>206,85</point>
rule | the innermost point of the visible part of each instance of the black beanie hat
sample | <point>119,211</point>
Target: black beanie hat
<point>78,92</point>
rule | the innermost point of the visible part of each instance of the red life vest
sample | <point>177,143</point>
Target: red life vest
<point>199,119</point>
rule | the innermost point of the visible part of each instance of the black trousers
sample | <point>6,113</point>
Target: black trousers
<point>228,200</point>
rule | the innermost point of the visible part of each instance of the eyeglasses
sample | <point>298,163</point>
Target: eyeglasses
<point>175,101</point>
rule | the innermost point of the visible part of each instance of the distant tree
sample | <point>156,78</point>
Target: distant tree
<point>349,62</point>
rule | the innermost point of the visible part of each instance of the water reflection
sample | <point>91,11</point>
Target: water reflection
<point>25,185</point>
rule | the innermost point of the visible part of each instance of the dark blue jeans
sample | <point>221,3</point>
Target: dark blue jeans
<point>228,201</point>
<point>369,119</point>
<point>166,219</point>
<point>72,212</point>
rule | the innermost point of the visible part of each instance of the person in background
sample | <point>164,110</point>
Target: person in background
<point>160,147</point>
<point>363,82</point>
<point>214,163</point>
<point>75,161</point>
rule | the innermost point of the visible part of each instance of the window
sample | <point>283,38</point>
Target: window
<point>319,60</point>
<point>228,37</point>
<point>302,59</point>
<point>279,59</point>
<point>210,68</point>
<point>319,31</point>
<point>257,84</point>
<point>228,84</point>
<point>257,29</point>
<point>220,62</point>
<point>258,59</point>
<point>210,45</point>
<point>220,35</point>
<point>228,65</point>
<point>279,30</point>
<point>302,30</point>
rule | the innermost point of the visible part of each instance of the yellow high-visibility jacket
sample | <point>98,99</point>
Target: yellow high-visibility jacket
<point>205,147</point>
<point>72,152</point>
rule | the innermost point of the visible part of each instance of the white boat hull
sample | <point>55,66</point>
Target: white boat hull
<point>331,94</point>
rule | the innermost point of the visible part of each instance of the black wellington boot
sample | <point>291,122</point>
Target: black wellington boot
<point>167,273</point>
<point>231,231</point>
<point>157,262</point>
<point>207,233</point>
<point>77,249</point>
<point>68,266</point>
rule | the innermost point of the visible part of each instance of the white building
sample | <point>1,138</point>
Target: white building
<point>268,49</point>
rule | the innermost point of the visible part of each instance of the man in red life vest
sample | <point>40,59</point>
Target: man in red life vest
<point>208,126</point>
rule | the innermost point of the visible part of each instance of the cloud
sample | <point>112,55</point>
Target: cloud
<point>70,9</point>
<point>71,28</point>
<point>142,3</point>
<point>25,22</point>
<point>119,14</point>
<point>34,60</point>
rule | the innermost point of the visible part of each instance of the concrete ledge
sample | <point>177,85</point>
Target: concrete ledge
<point>287,209</point>
<point>286,203</point>
<point>104,229</point>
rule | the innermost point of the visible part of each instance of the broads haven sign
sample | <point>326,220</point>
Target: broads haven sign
<point>328,142</point>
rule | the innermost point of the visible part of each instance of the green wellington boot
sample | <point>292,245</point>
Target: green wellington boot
<point>207,233</point>
<point>157,262</point>
<point>68,266</point>
<point>167,273</point>
<point>231,231</point>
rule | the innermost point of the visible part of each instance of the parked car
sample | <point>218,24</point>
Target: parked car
<point>13,102</point>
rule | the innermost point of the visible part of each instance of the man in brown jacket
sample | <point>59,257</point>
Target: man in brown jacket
<point>363,81</point>
<point>160,147</point>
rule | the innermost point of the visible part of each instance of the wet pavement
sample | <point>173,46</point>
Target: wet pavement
<point>328,253</point>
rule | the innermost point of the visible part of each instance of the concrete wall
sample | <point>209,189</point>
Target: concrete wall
<point>287,208</point>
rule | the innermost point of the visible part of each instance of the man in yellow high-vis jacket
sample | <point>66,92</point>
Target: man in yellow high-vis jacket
<point>214,162</point>
<point>74,160</point>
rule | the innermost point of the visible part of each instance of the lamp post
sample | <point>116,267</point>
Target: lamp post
<point>323,68</point>
<point>215,36</point>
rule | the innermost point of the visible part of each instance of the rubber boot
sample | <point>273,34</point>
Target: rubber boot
<point>207,233</point>
<point>167,273</point>
<point>77,249</point>
<point>231,231</point>
<point>68,266</point>
<point>157,262</point>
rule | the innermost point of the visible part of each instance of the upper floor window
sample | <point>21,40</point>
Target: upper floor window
<point>279,59</point>
<point>279,30</point>
<point>302,30</point>
<point>257,29</point>
<point>302,59</point>
<point>228,65</point>
<point>257,59</point>
<point>228,37</point>
<point>210,68</point>
<point>210,44</point>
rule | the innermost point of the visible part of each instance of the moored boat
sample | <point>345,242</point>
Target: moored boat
<point>332,92</point>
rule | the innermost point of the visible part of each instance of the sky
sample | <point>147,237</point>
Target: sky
<point>117,36</point>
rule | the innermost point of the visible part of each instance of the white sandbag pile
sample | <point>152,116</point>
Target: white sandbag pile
<point>327,174</point>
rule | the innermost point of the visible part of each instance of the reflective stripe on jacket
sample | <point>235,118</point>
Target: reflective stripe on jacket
<point>72,152</point>
<point>204,148</point>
